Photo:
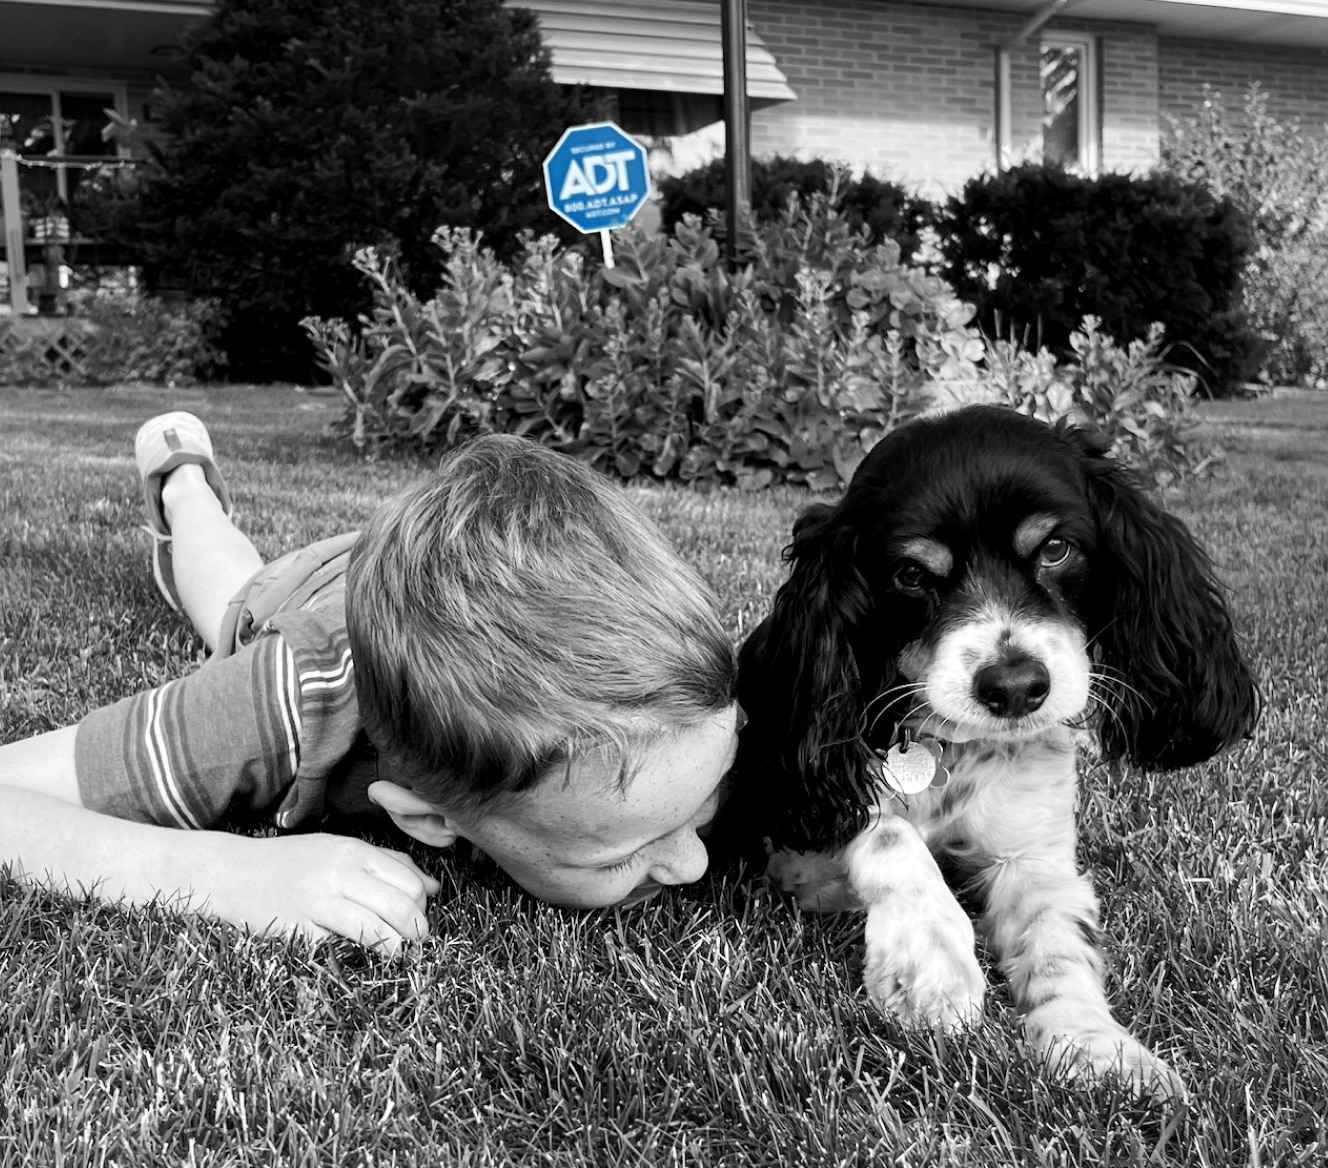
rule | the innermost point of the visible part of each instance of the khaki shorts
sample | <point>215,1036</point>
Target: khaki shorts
<point>308,578</point>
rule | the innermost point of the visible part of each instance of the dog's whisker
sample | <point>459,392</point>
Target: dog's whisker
<point>888,698</point>
<point>942,723</point>
<point>1103,669</point>
<point>1091,643</point>
<point>1117,687</point>
<point>1085,718</point>
<point>1102,692</point>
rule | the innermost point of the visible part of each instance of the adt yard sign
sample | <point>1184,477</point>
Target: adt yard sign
<point>597,179</point>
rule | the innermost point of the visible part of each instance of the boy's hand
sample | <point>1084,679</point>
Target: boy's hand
<point>317,885</point>
<point>314,885</point>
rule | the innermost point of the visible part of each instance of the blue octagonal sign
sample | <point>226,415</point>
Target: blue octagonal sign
<point>596,177</point>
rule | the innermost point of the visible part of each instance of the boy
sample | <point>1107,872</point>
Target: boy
<point>509,653</point>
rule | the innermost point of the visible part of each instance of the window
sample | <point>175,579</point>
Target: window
<point>57,117</point>
<point>1069,102</point>
<point>655,114</point>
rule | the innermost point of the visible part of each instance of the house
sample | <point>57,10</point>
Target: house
<point>931,92</point>
<point>925,92</point>
<point>63,65</point>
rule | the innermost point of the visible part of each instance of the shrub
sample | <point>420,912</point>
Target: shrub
<point>308,128</point>
<point>1286,295</point>
<point>667,365</point>
<point>884,209</point>
<point>1038,249</point>
<point>1272,171</point>
<point>117,339</point>
<point>1142,406</point>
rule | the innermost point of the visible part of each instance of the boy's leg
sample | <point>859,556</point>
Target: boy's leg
<point>212,559</point>
<point>200,558</point>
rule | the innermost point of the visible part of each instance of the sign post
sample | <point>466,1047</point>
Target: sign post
<point>596,178</point>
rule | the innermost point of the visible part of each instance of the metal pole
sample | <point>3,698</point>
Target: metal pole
<point>737,135</point>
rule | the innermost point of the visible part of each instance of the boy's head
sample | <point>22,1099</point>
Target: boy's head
<point>541,674</point>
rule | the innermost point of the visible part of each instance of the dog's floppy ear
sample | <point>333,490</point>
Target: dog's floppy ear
<point>1179,688</point>
<point>801,755</point>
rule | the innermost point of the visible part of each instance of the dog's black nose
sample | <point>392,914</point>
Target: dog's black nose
<point>1015,685</point>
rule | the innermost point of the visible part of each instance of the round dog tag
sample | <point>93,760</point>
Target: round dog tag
<point>914,768</point>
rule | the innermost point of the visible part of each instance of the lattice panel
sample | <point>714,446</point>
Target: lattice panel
<point>53,351</point>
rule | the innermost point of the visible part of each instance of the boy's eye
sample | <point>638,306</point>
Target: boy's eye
<point>622,865</point>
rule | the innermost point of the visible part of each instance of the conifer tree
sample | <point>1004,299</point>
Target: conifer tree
<point>308,128</point>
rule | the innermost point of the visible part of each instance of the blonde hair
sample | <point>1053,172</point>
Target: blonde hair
<point>515,612</point>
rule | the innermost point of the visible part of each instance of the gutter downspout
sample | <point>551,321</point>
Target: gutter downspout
<point>1004,122</point>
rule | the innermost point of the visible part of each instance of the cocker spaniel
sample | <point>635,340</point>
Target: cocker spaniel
<point>989,591</point>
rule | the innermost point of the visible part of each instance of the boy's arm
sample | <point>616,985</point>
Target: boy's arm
<point>310,884</point>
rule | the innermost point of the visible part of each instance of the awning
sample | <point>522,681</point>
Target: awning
<point>664,45</point>
<point>108,36</point>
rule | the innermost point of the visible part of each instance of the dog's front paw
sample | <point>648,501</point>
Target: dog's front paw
<point>921,968</point>
<point>1109,1051</point>
<point>817,880</point>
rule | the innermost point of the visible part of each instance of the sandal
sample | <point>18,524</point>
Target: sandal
<point>161,444</point>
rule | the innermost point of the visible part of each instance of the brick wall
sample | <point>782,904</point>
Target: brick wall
<point>904,90</point>
<point>1296,80</point>
<point>1128,59</point>
<point>909,91</point>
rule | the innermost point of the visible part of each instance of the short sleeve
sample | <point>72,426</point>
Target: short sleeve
<point>259,731</point>
<point>328,716</point>
<point>184,754</point>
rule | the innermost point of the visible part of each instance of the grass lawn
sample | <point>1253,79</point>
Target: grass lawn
<point>712,1026</point>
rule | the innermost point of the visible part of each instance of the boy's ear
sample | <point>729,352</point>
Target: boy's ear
<point>414,814</point>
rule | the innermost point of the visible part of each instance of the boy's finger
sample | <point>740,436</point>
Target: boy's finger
<point>365,926</point>
<point>401,871</point>
<point>389,909</point>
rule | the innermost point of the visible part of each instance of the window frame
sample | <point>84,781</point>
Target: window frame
<point>51,87</point>
<point>1090,121</point>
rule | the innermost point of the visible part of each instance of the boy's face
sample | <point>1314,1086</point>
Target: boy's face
<point>584,843</point>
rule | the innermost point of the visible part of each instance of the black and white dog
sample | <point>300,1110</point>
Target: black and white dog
<point>989,591</point>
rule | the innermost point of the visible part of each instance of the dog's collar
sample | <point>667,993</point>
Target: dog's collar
<point>913,763</point>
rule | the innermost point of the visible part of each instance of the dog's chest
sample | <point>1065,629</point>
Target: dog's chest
<point>987,783</point>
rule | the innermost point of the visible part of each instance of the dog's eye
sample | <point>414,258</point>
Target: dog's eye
<point>1054,553</point>
<point>911,578</point>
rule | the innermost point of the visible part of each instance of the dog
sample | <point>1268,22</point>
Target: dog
<point>990,593</point>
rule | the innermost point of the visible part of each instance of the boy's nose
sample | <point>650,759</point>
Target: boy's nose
<point>683,861</point>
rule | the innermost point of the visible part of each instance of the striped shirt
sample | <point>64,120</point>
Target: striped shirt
<point>268,729</point>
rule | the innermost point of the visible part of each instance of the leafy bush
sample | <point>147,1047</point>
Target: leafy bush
<point>308,128</point>
<point>1286,295</point>
<point>1038,250</point>
<point>116,339</point>
<point>885,209</point>
<point>666,365</point>
<point>1142,406</point>
<point>1273,171</point>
